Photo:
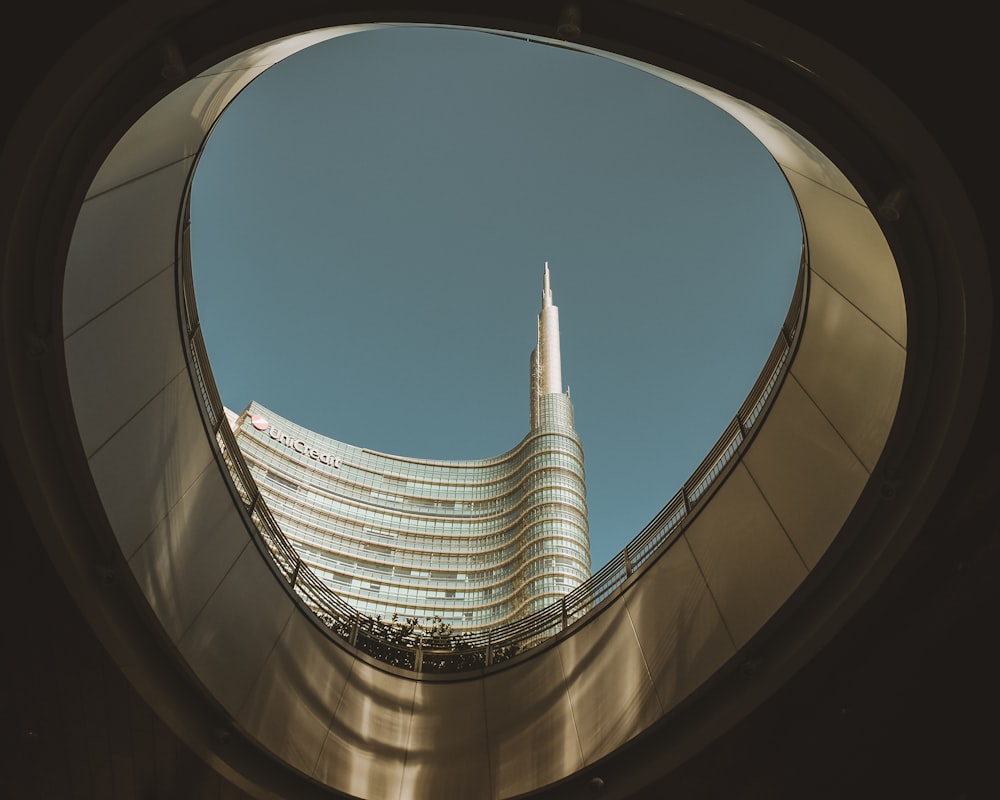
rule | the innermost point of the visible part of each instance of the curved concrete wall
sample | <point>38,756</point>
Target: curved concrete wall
<point>336,716</point>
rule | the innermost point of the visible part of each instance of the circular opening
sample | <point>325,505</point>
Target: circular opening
<point>369,223</point>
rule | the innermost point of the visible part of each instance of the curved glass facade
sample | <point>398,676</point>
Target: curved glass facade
<point>476,543</point>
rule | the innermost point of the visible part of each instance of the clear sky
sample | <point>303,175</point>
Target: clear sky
<point>370,220</point>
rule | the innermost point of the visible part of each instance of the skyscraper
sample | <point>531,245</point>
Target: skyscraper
<point>476,543</point>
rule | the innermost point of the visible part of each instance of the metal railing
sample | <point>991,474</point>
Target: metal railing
<point>404,645</point>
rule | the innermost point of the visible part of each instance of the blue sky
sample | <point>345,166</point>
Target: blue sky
<point>370,220</point>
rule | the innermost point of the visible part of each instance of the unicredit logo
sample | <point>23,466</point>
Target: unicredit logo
<point>299,446</point>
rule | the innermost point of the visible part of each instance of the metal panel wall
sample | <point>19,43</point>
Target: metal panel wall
<point>365,749</point>
<point>532,732</point>
<point>186,557</point>
<point>289,707</point>
<point>812,486</point>
<point>749,563</point>
<point>608,683</point>
<point>113,263</point>
<point>447,751</point>
<point>119,361</point>
<point>678,625</point>
<point>848,250</point>
<point>146,467</point>
<point>233,634</point>
<point>851,369</point>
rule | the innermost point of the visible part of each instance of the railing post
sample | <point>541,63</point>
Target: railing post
<point>687,503</point>
<point>418,665</point>
<point>628,562</point>
<point>489,648</point>
<point>295,572</point>
<point>742,427</point>
<point>354,628</point>
<point>565,616</point>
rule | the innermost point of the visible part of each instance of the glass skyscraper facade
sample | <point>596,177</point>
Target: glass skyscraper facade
<point>477,543</point>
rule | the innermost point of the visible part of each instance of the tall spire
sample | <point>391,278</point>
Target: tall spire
<point>549,358</point>
<point>546,287</point>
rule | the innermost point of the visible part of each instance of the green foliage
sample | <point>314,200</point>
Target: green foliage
<point>408,643</point>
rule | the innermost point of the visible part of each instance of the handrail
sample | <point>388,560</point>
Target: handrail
<point>401,645</point>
